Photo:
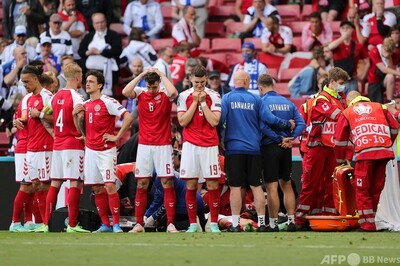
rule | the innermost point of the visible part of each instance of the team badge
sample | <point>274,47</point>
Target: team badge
<point>97,107</point>
<point>36,103</point>
<point>157,97</point>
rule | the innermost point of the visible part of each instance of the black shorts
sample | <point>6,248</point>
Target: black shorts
<point>276,163</point>
<point>338,5</point>
<point>243,169</point>
<point>375,91</point>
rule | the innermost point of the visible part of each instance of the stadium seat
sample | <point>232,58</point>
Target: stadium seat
<point>335,25</point>
<point>297,42</point>
<point>225,45</point>
<point>1,31</point>
<point>282,89</point>
<point>256,41</point>
<point>205,45</point>
<point>233,58</point>
<point>118,28</point>
<point>270,60</point>
<point>297,62</point>
<point>273,72</point>
<point>234,28</point>
<point>125,42</point>
<point>298,101</point>
<point>167,30</point>
<point>215,29</point>
<point>307,10</point>
<point>220,13</point>
<point>166,12</point>
<point>217,56</point>
<point>227,2</point>
<point>297,27</point>
<point>4,144</point>
<point>286,75</point>
<point>214,3</point>
<point>289,12</point>
<point>159,43</point>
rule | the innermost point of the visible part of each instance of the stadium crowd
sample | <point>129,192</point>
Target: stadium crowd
<point>215,101</point>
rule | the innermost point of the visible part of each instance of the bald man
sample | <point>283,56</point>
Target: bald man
<point>372,130</point>
<point>241,114</point>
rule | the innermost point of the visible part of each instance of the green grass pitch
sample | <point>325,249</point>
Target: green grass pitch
<point>250,249</point>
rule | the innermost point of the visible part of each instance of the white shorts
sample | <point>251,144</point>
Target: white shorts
<point>67,165</point>
<point>199,162</point>
<point>39,164</point>
<point>21,169</point>
<point>150,157</point>
<point>100,166</point>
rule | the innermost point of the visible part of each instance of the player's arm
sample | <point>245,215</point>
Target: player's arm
<point>212,117</point>
<point>171,90</point>
<point>129,90</point>
<point>185,117</point>
<point>325,108</point>
<point>126,123</point>
<point>79,119</point>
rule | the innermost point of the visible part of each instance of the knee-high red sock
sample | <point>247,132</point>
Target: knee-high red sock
<point>214,205</point>
<point>102,207</point>
<point>73,206</point>
<point>114,203</point>
<point>19,203</point>
<point>29,207</point>
<point>170,203</point>
<point>51,201</point>
<point>41,197</point>
<point>35,209</point>
<point>140,204</point>
<point>191,205</point>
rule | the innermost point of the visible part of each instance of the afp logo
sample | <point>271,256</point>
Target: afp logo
<point>352,259</point>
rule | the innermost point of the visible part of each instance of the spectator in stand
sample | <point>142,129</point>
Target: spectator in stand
<point>214,83</point>
<point>90,7</point>
<point>136,67</point>
<point>185,83</point>
<point>306,81</point>
<point>276,38</point>
<point>60,39</point>
<point>100,50</point>
<point>241,7</point>
<point>250,65</point>
<point>328,55</point>
<point>51,84</point>
<point>146,15</point>
<point>395,35</point>
<point>347,54</point>
<point>166,56</point>
<point>200,8</point>
<point>50,7</point>
<point>212,64</point>
<point>382,73</point>
<point>315,33</point>
<point>380,22</point>
<point>185,30</point>
<point>74,23</point>
<point>47,57</point>
<point>66,60</point>
<point>256,18</point>
<point>3,44</point>
<point>354,17</point>
<point>29,14</point>
<point>19,40</point>
<point>179,62</point>
<point>138,47</point>
<point>12,71</point>
<point>331,9</point>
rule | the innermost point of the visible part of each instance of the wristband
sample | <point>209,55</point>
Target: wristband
<point>202,104</point>
<point>41,115</point>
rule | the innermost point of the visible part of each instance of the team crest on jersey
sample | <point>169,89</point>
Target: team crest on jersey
<point>362,109</point>
<point>157,97</point>
<point>36,103</point>
<point>97,107</point>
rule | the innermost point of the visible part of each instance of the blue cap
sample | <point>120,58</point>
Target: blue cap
<point>249,45</point>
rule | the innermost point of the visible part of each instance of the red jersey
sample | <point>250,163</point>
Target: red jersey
<point>374,37</point>
<point>22,134</point>
<point>65,132</point>
<point>39,138</point>
<point>154,117</point>
<point>100,119</point>
<point>199,132</point>
<point>375,57</point>
<point>178,68</point>
<point>343,51</point>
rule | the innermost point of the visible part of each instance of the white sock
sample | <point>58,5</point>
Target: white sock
<point>15,224</point>
<point>261,220</point>
<point>235,220</point>
<point>28,223</point>
<point>273,222</point>
<point>290,219</point>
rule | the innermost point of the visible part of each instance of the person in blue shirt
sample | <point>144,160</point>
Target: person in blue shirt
<point>276,152</point>
<point>241,115</point>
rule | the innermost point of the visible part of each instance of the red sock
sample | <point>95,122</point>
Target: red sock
<point>41,197</point>
<point>35,209</point>
<point>140,204</point>
<point>114,203</point>
<point>191,205</point>
<point>29,207</point>
<point>170,204</point>
<point>102,207</point>
<point>19,203</point>
<point>51,201</point>
<point>214,205</point>
<point>73,206</point>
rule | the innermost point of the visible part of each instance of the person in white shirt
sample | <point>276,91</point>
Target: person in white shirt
<point>166,56</point>
<point>144,14</point>
<point>201,9</point>
<point>19,40</point>
<point>185,30</point>
<point>276,38</point>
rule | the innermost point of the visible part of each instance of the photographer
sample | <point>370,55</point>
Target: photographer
<point>185,84</point>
